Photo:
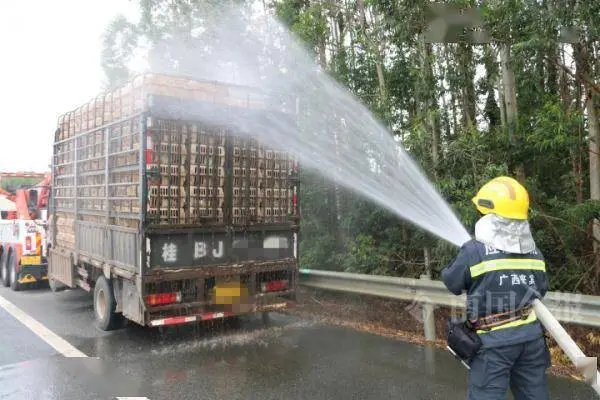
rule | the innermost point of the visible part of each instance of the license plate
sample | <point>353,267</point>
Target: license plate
<point>31,260</point>
<point>229,292</point>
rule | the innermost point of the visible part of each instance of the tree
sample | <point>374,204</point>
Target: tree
<point>120,40</point>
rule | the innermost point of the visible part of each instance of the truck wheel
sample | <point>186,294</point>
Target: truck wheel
<point>12,265</point>
<point>105,305</point>
<point>5,277</point>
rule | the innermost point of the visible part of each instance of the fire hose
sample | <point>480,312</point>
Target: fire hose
<point>587,366</point>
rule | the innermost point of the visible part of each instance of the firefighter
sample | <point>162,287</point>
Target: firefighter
<point>502,272</point>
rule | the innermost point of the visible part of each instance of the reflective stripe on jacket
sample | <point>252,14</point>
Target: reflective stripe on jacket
<point>497,282</point>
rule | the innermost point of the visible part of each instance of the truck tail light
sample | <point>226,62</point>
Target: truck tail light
<point>38,243</point>
<point>149,148</point>
<point>274,286</point>
<point>161,299</point>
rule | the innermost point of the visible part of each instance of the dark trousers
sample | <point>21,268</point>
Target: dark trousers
<point>521,366</point>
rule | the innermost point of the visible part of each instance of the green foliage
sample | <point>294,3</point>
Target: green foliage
<point>367,257</point>
<point>12,184</point>
<point>120,40</point>
<point>311,25</point>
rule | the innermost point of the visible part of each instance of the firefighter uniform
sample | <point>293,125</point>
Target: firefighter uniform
<point>500,285</point>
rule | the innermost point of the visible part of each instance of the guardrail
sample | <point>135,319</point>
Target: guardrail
<point>566,307</point>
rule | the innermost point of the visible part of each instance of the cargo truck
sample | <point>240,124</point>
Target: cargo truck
<point>169,214</point>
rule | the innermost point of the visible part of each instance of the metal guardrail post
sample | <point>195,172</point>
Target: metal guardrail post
<point>428,317</point>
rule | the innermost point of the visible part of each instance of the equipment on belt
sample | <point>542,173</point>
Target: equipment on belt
<point>503,196</point>
<point>463,342</point>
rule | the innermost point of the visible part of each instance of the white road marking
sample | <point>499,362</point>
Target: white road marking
<point>132,398</point>
<point>56,342</point>
<point>59,344</point>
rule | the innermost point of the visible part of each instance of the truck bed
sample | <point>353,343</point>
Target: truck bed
<point>140,168</point>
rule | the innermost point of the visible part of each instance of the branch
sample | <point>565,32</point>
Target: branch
<point>583,276</point>
<point>592,151</point>
<point>563,244</point>
<point>548,217</point>
<point>584,78</point>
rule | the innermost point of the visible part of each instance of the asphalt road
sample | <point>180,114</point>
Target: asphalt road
<point>289,358</point>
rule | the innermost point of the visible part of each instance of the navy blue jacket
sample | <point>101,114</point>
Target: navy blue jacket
<point>496,282</point>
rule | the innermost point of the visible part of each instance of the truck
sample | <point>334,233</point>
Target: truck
<point>168,214</point>
<point>23,236</point>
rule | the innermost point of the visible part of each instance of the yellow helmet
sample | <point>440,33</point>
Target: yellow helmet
<point>503,196</point>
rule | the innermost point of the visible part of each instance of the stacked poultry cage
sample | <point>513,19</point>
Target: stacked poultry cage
<point>117,162</point>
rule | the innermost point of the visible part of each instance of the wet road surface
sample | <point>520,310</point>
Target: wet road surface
<point>289,358</point>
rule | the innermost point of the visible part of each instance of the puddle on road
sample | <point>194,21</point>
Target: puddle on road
<point>258,337</point>
<point>133,341</point>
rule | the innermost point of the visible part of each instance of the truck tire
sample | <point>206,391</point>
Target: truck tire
<point>11,262</point>
<point>4,273</point>
<point>105,305</point>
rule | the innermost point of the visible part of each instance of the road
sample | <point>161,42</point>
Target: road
<point>289,358</point>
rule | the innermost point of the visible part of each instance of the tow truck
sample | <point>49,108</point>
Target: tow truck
<point>23,236</point>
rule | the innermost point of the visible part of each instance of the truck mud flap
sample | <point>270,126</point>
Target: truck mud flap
<point>132,305</point>
<point>60,267</point>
